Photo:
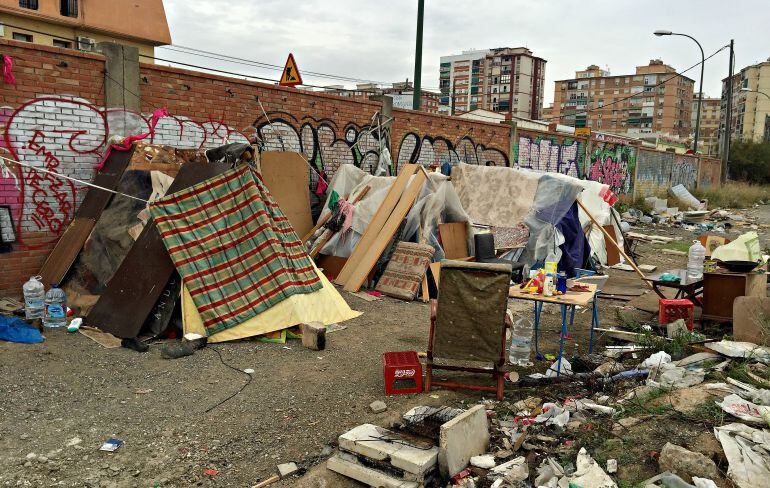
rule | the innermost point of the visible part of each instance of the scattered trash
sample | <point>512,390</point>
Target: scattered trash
<point>13,329</point>
<point>248,371</point>
<point>748,454</point>
<point>75,324</point>
<point>111,445</point>
<point>484,461</point>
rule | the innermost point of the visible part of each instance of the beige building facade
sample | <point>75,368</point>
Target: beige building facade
<point>751,103</point>
<point>80,24</point>
<point>709,124</point>
<point>502,80</point>
<point>653,101</point>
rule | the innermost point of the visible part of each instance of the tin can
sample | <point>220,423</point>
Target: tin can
<point>709,266</point>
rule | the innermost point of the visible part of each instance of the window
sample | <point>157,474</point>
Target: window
<point>30,4</point>
<point>18,36</point>
<point>68,8</point>
<point>63,44</point>
<point>505,79</point>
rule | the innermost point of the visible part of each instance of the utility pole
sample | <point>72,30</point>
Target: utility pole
<point>418,56</point>
<point>728,115</point>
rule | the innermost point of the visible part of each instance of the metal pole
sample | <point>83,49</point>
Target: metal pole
<point>728,116</point>
<point>418,56</point>
<point>700,96</point>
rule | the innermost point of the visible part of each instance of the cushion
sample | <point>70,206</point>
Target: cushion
<point>405,270</point>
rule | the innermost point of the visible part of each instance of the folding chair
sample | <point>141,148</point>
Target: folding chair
<point>468,323</point>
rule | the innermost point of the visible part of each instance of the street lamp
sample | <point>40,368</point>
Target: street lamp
<point>660,33</point>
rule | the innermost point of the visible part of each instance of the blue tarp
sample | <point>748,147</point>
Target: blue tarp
<point>13,329</point>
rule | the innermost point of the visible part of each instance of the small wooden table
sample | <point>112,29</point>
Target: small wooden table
<point>569,299</point>
<point>686,287</point>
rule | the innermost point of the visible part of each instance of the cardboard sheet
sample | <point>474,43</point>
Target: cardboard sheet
<point>286,176</point>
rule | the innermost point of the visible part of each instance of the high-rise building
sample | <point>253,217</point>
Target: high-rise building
<point>80,24</point>
<point>505,80</point>
<point>653,101</point>
<point>402,93</point>
<point>708,137</point>
<point>751,104</point>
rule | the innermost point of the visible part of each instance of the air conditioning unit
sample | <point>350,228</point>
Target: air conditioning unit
<point>86,43</point>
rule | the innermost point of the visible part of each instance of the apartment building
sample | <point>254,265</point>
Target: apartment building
<point>651,102</point>
<point>80,24</point>
<point>751,103</point>
<point>709,124</point>
<point>503,80</point>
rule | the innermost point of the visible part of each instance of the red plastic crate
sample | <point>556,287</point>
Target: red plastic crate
<point>402,372</point>
<point>671,309</point>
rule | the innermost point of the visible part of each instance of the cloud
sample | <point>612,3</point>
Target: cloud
<point>375,40</point>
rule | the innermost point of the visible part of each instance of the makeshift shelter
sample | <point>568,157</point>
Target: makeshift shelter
<point>437,203</point>
<point>504,198</point>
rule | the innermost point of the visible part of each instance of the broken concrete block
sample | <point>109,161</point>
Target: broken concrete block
<point>287,469</point>
<point>612,466</point>
<point>378,406</point>
<point>350,467</point>
<point>686,463</point>
<point>363,440</point>
<point>314,336</point>
<point>485,461</point>
<point>647,268</point>
<point>461,438</point>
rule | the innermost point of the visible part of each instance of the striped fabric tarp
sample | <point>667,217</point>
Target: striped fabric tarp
<point>236,251</point>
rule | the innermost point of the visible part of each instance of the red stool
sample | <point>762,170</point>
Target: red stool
<point>671,309</point>
<point>402,372</point>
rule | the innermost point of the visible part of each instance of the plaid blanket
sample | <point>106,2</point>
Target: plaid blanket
<point>236,251</point>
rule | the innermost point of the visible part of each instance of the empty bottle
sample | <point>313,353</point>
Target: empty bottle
<point>55,307</point>
<point>34,298</point>
<point>695,258</point>
<point>521,342</point>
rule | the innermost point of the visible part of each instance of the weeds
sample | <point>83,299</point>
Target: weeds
<point>674,245</point>
<point>734,195</point>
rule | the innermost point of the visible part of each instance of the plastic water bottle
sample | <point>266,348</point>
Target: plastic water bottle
<point>521,342</point>
<point>34,298</point>
<point>695,258</point>
<point>55,307</point>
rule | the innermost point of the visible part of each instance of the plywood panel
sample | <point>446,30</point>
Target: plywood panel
<point>454,239</point>
<point>373,252</point>
<point>613,256</point>
<point>286,176</point>
<point>375,226</point>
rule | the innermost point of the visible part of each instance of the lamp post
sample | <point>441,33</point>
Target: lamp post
<point>418,56</point>
<point>747,89</point>
<point>660,33</point>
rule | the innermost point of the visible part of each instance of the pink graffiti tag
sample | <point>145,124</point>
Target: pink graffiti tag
<point>610,172</point>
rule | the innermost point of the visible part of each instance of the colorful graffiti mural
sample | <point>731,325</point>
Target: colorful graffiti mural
<point>548,153</point>
<point>684,171</point>
<point>613,164</point>
<point>429,150</point>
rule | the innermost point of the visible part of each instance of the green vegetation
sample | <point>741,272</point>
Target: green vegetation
<point>735,194</point>
<point>750,161</point>
<point>674,245</point>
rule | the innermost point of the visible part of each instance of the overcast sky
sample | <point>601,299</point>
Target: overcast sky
<point>375,39</point>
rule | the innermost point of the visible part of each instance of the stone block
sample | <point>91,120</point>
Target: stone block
<point>461,438</point>
<point>348,466</point>
<point>314,336</point>
<point>362,441</point>
<point>287,469</point>
<point>378,406</point>
<point>686,464</point>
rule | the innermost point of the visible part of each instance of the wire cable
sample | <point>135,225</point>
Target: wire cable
<point>243,387</point>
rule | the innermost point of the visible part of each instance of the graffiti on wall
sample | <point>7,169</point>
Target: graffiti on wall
<point>613,164</point>
<point>684,171</point>
<point>60,135</point>
<point>323,142</point>
<point>547,154</point>
<point>653,172</point>
<point>437,151</point>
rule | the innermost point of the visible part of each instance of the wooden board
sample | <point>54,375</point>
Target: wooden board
<point>74,237</point>
<point>372,231</point>
<point>579,298</point>
<point>286,176</point>
<point>63,255</point>
<point>613,256</point>
<point>454,239</point>
<point>136,286</point>
<point>751,320</point>
<point>382,239</point>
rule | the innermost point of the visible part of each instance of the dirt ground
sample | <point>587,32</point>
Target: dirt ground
<point>61,399</point>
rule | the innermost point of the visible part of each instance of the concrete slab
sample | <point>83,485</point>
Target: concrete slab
<point>348,466</point>
<point>461,438</point>
<point>363,440</point>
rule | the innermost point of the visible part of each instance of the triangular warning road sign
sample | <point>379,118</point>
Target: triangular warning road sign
<point>290,75</point>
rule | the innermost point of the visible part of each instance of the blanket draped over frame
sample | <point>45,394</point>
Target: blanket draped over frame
<point>237,253</point>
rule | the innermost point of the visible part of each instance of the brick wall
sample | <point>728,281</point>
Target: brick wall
<point>54,118</point>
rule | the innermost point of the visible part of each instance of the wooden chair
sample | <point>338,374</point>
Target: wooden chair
<point>468,323</point>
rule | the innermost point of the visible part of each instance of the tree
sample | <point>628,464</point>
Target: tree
<point>750,161</point>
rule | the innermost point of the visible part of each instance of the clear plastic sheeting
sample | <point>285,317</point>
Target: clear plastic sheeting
<point>437,203</point>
